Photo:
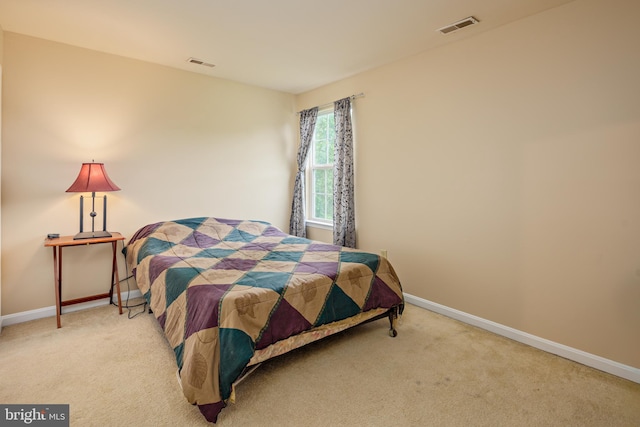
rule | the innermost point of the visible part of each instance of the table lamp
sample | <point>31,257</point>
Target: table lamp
<point>92,177</point>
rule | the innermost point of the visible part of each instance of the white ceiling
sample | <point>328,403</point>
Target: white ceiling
<point>287,45</point>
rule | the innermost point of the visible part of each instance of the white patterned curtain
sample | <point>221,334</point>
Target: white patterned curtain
<point>344,223</point>
<point>307,126</point>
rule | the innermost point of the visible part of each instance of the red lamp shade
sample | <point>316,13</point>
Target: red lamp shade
<point>92,178</point>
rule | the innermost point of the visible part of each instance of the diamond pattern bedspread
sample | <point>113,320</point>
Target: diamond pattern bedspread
<point>222,289</point>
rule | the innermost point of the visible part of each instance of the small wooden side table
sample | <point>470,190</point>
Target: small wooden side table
<point>60,242</point>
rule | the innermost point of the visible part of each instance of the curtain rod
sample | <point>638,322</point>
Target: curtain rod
<point>328,104</point>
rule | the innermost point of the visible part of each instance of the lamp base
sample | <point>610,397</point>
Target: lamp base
<point>91,235</point>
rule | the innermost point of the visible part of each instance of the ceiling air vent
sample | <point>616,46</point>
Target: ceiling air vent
<point>200,62</point>
<point>458,25</point>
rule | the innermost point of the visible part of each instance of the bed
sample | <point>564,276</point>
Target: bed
<point>230,294</point>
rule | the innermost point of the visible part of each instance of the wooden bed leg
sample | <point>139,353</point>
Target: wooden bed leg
<point>393,317</point>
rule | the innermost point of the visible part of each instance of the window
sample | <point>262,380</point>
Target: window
<point>320,170</point>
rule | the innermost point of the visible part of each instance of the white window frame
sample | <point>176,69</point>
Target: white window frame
<point>310,219</point>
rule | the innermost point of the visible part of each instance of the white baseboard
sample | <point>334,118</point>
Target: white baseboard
<point>597,362</point>
<point>40,313</point>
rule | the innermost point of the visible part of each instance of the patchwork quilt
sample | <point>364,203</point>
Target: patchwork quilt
<point>222,289</point>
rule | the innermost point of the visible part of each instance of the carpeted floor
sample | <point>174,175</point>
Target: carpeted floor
<point>115,371</point>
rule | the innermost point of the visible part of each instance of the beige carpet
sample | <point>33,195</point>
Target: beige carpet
<point>115,371</point>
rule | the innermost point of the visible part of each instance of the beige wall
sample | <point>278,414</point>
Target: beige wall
<point>501,174</point>
<point>179,144</point>
<point>1,60</point>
